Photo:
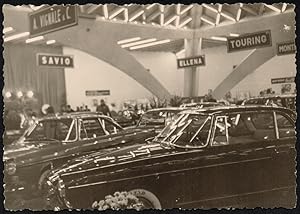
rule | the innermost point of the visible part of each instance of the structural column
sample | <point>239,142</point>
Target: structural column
<point>192,48</point>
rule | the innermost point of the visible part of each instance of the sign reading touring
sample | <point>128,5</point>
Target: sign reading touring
<point>249,41</point>
<point>97,93</point>
<point>52,19</point>
<point>283,80</point>
<point>191,61</point>
<point>286,48</point>
<point>51,60</point>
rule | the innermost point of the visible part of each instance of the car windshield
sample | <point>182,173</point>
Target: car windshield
<point>186,130</point>
<point>57,130</point>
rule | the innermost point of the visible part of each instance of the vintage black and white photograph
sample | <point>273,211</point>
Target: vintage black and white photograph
<point>113,107</point>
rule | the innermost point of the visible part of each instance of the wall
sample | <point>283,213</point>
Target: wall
<point>90,73</point>
<point>219,64</point>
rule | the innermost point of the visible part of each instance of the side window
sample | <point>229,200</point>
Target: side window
<point>220,136</point>
<point>286,128</point>
<point>109,126</point>
<point>264,127</point>
<point>90,128</point>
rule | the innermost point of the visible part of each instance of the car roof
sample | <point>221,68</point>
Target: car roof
<point>217,109</point>
<point>273,96</point>
<point>166,109</point>
<point>74,115</point>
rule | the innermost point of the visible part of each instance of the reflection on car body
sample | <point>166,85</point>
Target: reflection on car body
<point>199,159</point>
<point>53,140</point>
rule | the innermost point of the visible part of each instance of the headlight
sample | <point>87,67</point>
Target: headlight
<point>10,167</point>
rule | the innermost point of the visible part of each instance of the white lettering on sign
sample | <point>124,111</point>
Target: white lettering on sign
<point>244,42</point>
<point>61,61</point>
<point>188,62</point>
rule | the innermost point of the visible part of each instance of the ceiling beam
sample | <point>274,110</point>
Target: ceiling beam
<point>208,20</point>
<point>178,8</point>
<point>272,7</point>
<point>152,16</point>
<point>116,12</point>
<point>136,14</point>
<point>284,5</point>
<point>239,12</point>
<point>248,9</point>
<point>92,8</point>
<point>162,14</point>
<point>105,11</point>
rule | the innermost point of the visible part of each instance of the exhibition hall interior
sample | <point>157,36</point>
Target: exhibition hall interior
<point>149,106</point>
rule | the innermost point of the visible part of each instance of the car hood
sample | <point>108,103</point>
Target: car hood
<point>24,147</point>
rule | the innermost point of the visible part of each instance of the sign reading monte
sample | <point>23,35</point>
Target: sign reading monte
<point>283,80</point>
<point>52,60</point>
<point>52,19</point>
<point>286,48</point>
<point>249,41</point>
<point>97,93</point>
<point>191,61</point>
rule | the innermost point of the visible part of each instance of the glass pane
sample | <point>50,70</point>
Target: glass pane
<point>285,127</point>
<point>110,127</point>
<point>263,125</point>
<point>220,132</point>
<point>91,128</point>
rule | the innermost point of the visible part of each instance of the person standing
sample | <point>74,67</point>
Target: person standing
<point>103,108</point>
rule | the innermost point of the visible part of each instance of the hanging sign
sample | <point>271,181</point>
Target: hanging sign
<point>283,80</point>
<point>191,62</point>
<point>249,41</point>
<point>97,93</point>
<point>286,48</point>
<point>52,19</point>
<point>53,60</point>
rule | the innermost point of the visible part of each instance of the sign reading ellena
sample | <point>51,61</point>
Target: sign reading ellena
<point>286,48</point>
<point>52,19</point>
<point>249,41</point>
<point>49,60</point>
<point>191,61</point>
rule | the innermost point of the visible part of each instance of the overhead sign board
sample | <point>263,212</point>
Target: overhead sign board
<point>191,61</point>
<point>54,60</point>
<point>52,19</point>
<point>286,48</point>
<point>249,41</point>
<point>97,93</point>
<point>283,80</point>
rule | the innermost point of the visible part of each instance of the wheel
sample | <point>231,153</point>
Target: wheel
<point>42,180</point>
<point>149,200</point>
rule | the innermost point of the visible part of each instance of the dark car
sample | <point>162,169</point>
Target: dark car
<point>158,118</point>
<point>53,140</point>
<point>287,101</point>
<point>218,157</point>
<point>126,118</point>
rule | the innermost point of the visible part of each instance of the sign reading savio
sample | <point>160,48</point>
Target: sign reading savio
<point>53,60</point>
<point>286,48</point>
<point>249,41</point>
<point>52,19</point>
<point>191,62</point>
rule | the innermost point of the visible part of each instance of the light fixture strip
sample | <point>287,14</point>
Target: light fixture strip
<point>234,34</point>
<point>128,40</point>
<point>138,43</point>
<point>186,9</point>
<point>16,36</point>
<point>180,52</point>
<point>49,42</point>
<point>136,15</point>
<point>185,22</point>
<point>207,20</point>
<point>150,6</point>
<point>34,39</point>
<point>210,8</point>
<point>117,12</point>
<point>150,44</point>
<point>7,30</point>
<point>273,8</point>
<point>219,38</point>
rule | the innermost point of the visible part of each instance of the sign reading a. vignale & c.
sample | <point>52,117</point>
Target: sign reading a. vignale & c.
<point>97,93</point>
<point>286,48</point>
<point>249,41</point>
<point>53,60</point>
<point>52,19</point>
<point>191,62</point>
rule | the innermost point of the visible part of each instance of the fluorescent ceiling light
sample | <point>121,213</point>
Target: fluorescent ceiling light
<point>234,34</point>
<point>128,40</point>
<point>138,43</point>
<point>186,9</point>
<point>7,30</point>
<point>118,11</point>
<point>219,38</point>
<point>49,42</point>
<point>150,44</point>
<point>180,52</point>
<point>207,20</point>
<point>34,39</point>
<point>185,22</point>
<point>136,15</point>
<point>150,6</point>
<point>16,36</point>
